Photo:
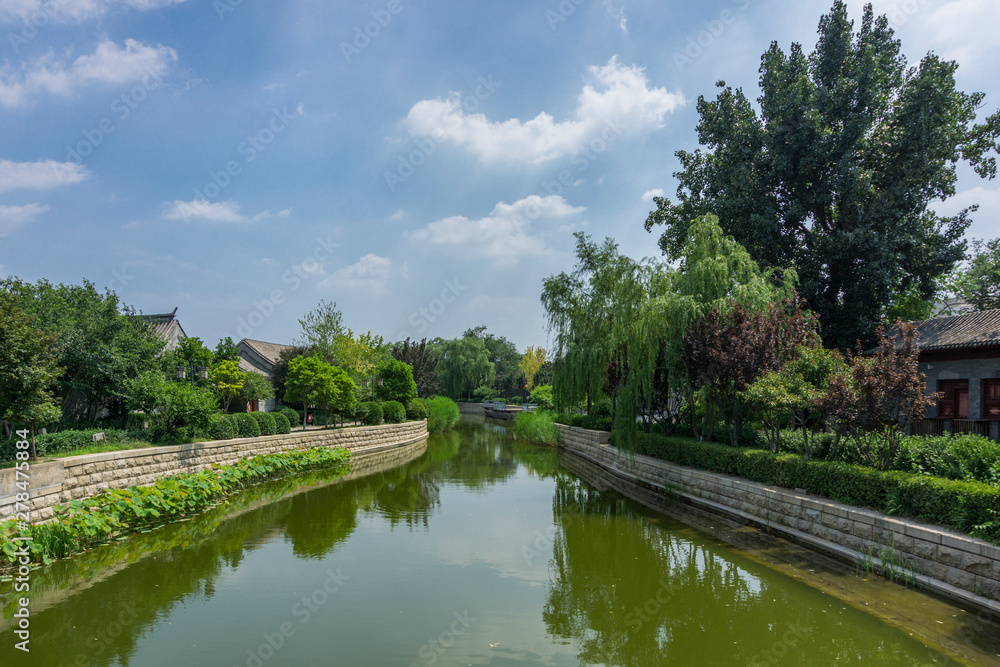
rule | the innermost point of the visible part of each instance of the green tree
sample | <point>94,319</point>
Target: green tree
<point>978,282</point>
<point>532,362</point>
<point>397,382</point>
<point>226,350</point>
<point>256,387</point>
<point>99,342</point>
<point>465,365</point>
<point>227,379</point>
<point>28,370</point>
<point>334,391</point>
<point>422,360</point>
<point>507,376</point>
<point>322,330</point>
<point>835,176</point>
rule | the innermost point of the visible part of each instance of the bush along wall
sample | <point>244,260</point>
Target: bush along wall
<point>969,506</point>
<point>83,524</point>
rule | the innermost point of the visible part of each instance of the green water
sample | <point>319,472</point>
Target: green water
<point>483,551</point>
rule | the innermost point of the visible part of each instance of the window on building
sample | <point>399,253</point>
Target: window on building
<point>991,399</point>
<point>954,400</point>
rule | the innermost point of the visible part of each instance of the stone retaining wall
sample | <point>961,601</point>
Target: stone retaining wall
<point>944,561</point>
<point>471,408</point>
<point>80,476</point>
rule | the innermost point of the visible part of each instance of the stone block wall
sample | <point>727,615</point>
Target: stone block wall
<point>944,561</point>
<point>471,408</point>
<point>76,477</point>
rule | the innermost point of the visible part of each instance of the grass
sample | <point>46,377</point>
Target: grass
<point>536,426</point>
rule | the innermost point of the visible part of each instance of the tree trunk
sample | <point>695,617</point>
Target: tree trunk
<point>34,453</point>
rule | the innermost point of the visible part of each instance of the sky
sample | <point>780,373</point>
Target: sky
<point>422,164</point>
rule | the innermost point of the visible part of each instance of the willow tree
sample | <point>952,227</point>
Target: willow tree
<point>835,174</point>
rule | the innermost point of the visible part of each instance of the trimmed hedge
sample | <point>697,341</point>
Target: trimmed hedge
<point>369,413</point>
<point>281,423</point>
<point>265,421</point>
<point>222,427</point>
<point>294,416</point>
<point>393,412</point>
<point>972,507</point>
<point>246,426</point>
<point>589,422</point>
<point>416,409</point>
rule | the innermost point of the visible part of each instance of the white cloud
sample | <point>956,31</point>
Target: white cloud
<point>42,175</point>
<point>616,10</point>
<point>109,64</point>
<point>13,218</point>
<point>503,236</point>
<point>624,104</point>
<point>649,194</point>
<point>371,275</point>
<point>78,10</point>
<point>199,209</point>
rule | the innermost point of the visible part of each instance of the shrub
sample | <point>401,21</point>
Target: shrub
<point>965,505</point>
<point>281,423</point>
<point>542,395</point>
<point>536,427</point>
<point>485,393</point>
<point>246,426</point>
<point>397,382</point>
<point>393,412</point>
<point>293,416</point>
<point>416,409</point>
<point>442,414</point>
<point>369,413</point>
<point>514,400</point>
<point>971,457</point>
<point>222,427</point>
<point>592,422</point>
<point>265,421</point>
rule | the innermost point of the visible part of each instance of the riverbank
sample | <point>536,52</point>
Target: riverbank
<point>945,562</point>
<point>77,477</point>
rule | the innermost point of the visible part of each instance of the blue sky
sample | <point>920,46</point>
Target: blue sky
<point>423,164</point>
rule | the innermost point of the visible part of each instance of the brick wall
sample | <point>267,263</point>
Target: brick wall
<point>80,476</point>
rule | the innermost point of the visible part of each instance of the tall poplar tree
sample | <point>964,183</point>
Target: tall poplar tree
<point>835,173</point>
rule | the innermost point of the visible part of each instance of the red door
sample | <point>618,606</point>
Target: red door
<point>962,404</point>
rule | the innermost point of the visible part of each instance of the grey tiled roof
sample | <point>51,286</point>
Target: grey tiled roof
<point>966,331</point>
<point>163,323</point>
<point>268,351</point>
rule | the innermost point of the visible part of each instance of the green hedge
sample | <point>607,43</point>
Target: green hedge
<point>969,506</point>
<point>246,426</point>
<point>393,412</point>
<point>281,423</point>
<point>67,441</point>
<point>265,421</point>
<point>222,427</point>
<point>369,413</point>
<point>85,523</point>
<point>294,416</point>
<point>416,409</point>
<point>590,422</point>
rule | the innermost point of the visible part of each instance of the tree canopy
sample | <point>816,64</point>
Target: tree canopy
<point>835,173</point>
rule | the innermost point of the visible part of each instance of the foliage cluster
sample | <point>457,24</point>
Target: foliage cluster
<point>537,426</point>
<point>393,412</point>
<point>442,414</point>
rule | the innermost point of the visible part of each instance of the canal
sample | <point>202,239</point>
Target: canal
<point>482,550</point>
